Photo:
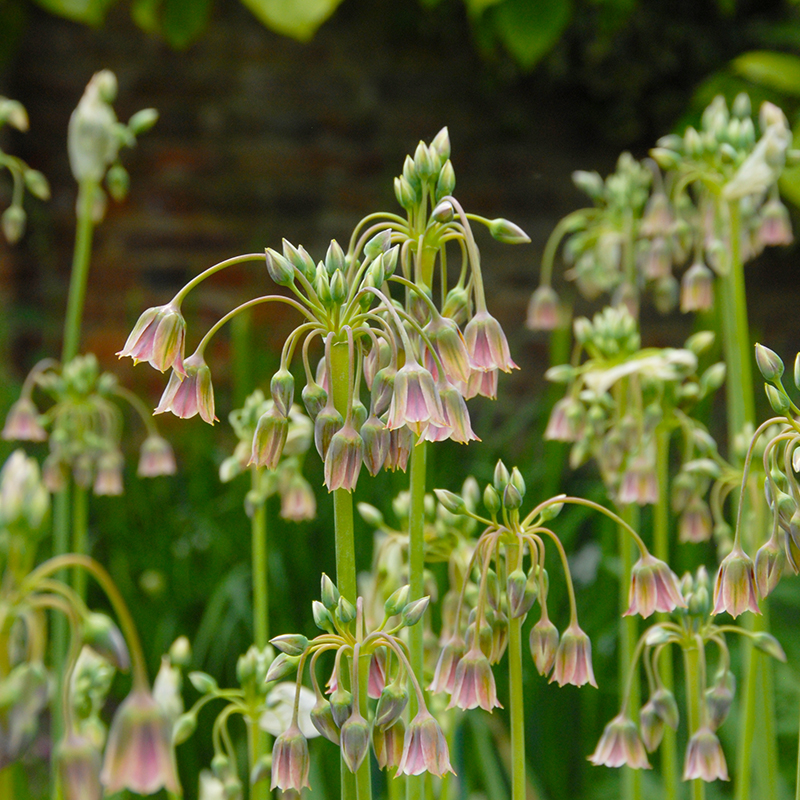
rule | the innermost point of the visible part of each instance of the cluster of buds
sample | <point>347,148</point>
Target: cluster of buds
<point>506,589</point>
<point>94,139</point>
<point>367,665</point>
<point>259,702</point>
<point>617,398</point>
<point>708,702</point>
<point>285,479</point>
<point>411,356</point>
<point>136,753</point>
<point>644,223</point>
<point>14,218</point>
<point>83,426</point>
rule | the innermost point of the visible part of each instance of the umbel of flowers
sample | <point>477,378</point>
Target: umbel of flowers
<point>709,695</point>
<point>717,199</point>
<point>136,752</point>
<point>509,559</point>
<point>418,359</point>
<point>83,426</point>
<point>377,659</point>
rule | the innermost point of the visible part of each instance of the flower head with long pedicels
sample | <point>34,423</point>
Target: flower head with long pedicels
<point>620,745</point>
<point>654,587</point>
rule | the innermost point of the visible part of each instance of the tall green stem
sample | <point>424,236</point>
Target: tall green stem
<point>415,785</point>
<point>344,533</point>
<point>669,751</point>
<point>691,658</point>
<point>631,778</point>
<point>516,700</point>
<point>80,271</point>
<point>258,528</point>
<point>80,536</point>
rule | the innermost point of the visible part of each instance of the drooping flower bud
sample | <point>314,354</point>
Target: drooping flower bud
<point>507,232</point>
<point>388,744</point>
<point>282,389</point>
<point>719,698</point>
<point>341,705</point>
<point>326,424</point>
<point>269,438</point>
<point>280,269</point>
<point>354,741</point>
<point>103,636</point>
<point>375,437</point>
<point>314,398</point>
<point>156,457</point>
<point>322,720</point>
<point>343,459</point>
<point>544,309</point>
<point>391,703</point>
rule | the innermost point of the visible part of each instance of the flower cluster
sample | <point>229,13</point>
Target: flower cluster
<point>285,479</point>
<point>14,218</point>
<point>345,716</point>
<point>643,223</point>
<point>508,590</point>
<point>620,395</point>
<point>83,426</point>
<point>693,630</point>
<point>418,361</point>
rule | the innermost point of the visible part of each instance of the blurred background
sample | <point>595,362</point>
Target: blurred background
<point>290,120</point>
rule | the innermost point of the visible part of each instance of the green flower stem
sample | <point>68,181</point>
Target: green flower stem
<point>669,751</point>
<point>258,528</point>
<point>80,536</point>
<point>516,700</point>
<point>343,527</point>
<point>631,778</point>
<point>80,270</point>
<point>255,749</point>
<point>691,659</point>
<point>364,774</point>
<point>415,785</point>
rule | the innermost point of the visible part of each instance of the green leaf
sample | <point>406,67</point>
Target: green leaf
<point>90,12</point>
<point>779,71</point>
<point>530,29</point>
<point>183,20</point>
<point>296,18</point>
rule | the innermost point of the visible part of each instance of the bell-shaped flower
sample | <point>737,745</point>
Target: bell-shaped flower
<point>269,438</point>
<point>473,684</point>
<point>654,587</point>
<point>455,414</point>
<point>415,401</point>
<point>400,443</point>
<point>487,344</point>
<point>695,523</point>
<point>158,337</point>
<point>290,761</point>
<point>573,663</point>
<point>139,753</point>
<point>108,479</point>
<point>343,459</point>
<point>23,422</point>
<point>327,423</point>
<point>483,383</point>
<point>639,483</point>
<point>192,394</point>
<point>735,584</point>
<point>544,312</point>
<point>544,645</point>
<point>424,748</point>
<point>620,745</point>
<point>78,763</point>
<point>704,758</point>
<point>156,457</point>
<point>697,288</point>
<point>376,444</point>
<point>448,342</point>
<point>445,674</point>
<point>776,226</point>
<point>566,421</point>
<point>769,564</point>
<point>298,502</point>
<point>388,744</point>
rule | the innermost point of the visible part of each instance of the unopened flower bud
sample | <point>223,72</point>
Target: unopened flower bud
<point>391,703</point>
<point>290,761</point>
<point>329,593</point>
<point>345,611</point>
<point>769,563</point>
<point>769,363</point>
<point>282,389</point>
<point>378,244</point>
<point>269,438</point>
<point>507,232</point>
<point>512,499</point>
<point>719,698</point>
<point>388,744</point>
<point>334,258</point>
<point>183,728</point>
<point>424,162</point>
<point>354,741</point>
<point>414,611</point>
<point>454,503</point>
<point>397,601</point>
<point>322,617</point>
<point>326,424</point>
<point>341,702</point>
<point>404,192</point>
<point>443,212</point>
<point>322,720</point>
<point>314,398</point>
<point>78,762</point>
<point>293,644</point>
<point>280,668</point>
<point>768,644</point>
<point>102,635</point>
<point>544,309</point>
<point>338,287</point>
<point>491,499</point>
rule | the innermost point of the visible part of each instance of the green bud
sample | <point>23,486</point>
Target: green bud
<point>797,371</point>
<point>370,515</point>
<point>446,183</point>
<point>777,399</point>
<point>13,223</point>
<point>491,499</point>
<point>100,633</point>
<point>37,184</point>
<point>293,644</point>
<point>180,652</point>
<point>338,287</point>
<point>183,728</point>
<point>14,113</point>
<point>441,144</point>
<point>454,503</point>
<point>378,244</point>
<point>404,192</point>
<point>329,594</point>
<point>322,617</point>
<point>261,770</point>
<point>203,682</point>
<point>345,611</point>
<point>424,164</point>
<point>507,232</point>
<point>118,182</point>
<point>390,261</point>
<point>142,121</point>
<point>769,363</point>
<point>768,644</point>
<point>246,666</point>
<point>563,373</point>
<point>589,182</point>
<point>314,399</point>
<point>220,765</point>
<point>665,158</point>
<point>518,481</point>
<point>550,511</point>
<point>397,601</point>
<point>334,258</point>
<point>281,667</point>
<point>414,612</point>
<point>700,342</point>
<point>280,269</point>
<point>516,583</point>
<point>501,476</point>
<point>512,499</point>
<point>443,212</point>
<point>341,704</point>
<point>391,703</point>
<point>713,378</point>
<point>322,286</point>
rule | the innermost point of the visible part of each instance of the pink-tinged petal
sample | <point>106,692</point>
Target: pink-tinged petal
<point>620,745</point>
<point>735,585</point>
<point>487,344</point>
